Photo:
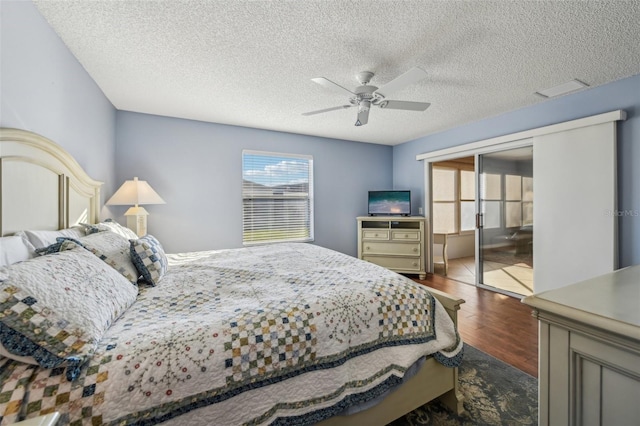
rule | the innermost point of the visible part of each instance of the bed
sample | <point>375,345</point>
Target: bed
<point>279,334</point>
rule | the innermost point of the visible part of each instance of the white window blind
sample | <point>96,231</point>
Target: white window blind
<point>467,200</point>
<point>513,205</point>
<point>491,197</point>
<point>454,195</point>
<point>277,197</point>
<point>445,200</point>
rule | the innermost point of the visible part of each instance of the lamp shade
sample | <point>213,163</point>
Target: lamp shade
<point>135,192</point>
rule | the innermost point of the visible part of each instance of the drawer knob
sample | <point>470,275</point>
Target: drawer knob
<point>415,263</point>
<point>415,249</point>
<point>375,235</point>
<point>368,248</point>
<point>406,235</point>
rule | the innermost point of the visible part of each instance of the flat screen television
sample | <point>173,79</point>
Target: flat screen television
<point>389,203</point>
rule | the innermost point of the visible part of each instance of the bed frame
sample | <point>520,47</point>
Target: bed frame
<point>43,187</point>
<point>432,381</point>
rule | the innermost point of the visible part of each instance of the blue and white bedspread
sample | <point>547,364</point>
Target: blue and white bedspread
<point>287,333</point>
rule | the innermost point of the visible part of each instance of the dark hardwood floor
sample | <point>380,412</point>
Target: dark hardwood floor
<point>499,325</point>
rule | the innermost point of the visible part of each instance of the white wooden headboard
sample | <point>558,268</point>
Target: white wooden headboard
<point>42,186</point>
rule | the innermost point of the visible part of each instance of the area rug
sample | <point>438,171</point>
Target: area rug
<point>508,258</point>
<point>495,394</point>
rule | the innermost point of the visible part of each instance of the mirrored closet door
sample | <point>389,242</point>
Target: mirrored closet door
<point>504,221</point>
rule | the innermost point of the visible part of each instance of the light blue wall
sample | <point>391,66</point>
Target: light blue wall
<point>196,168</point>
<point>44,89</point>
<point>623,94</point>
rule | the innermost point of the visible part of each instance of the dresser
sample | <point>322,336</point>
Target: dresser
<point>395,242</point>
<point>589,351</point>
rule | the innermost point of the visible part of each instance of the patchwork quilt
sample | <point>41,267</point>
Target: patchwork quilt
<point>277,334</point>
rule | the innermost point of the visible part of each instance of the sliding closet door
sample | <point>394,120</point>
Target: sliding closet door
<point>575,231</point>
<point>504,249</point>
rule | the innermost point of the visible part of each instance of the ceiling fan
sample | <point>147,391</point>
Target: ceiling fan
<point>366,96</point>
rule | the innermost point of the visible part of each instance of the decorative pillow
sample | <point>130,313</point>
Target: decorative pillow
<point>41,239</point>
<point>55,309</point>
<point>149,258</point>
<point>57,246</point>
<point>113,226</point>
<point>108,246</point>
<point>15,249</point>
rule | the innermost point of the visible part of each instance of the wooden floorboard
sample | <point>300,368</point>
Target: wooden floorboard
<point>497,324</point>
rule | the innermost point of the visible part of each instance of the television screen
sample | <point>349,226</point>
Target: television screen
<point>390,203</point>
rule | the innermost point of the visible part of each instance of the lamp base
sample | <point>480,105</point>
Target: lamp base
<point>137,220</point>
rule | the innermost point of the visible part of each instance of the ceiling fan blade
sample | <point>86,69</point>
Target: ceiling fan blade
<point>320,111</point>
<point>405,105</point>
<point>332,86</point>
<point>414,75</point>
<point>363,113</point>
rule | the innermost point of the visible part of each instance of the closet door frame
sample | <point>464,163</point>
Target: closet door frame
<point>514,140</point>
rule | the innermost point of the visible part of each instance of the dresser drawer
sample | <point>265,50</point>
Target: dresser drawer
<point>396,263</point>
<point>375,234</point>
<point>395,243</point>
<point>405,235</point>
<point>408,249</point>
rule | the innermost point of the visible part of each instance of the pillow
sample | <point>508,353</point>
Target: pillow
<point>41,239</point>
<point>15,249</point>
<point>108,246</point>
<point>55,309</point>
<point>113,226</point>
<point>57,246</point>
<point>149,258</point>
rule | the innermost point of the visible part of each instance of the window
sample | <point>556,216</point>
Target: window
<point>491,197</point>
<point>445,201</point>
<point>527,201</point>
<point>467,200</point>
<point>516,200</point>
<point>513,206</point>
<point>454,197</point>
<point>277,197</point>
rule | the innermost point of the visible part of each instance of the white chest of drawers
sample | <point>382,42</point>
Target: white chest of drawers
<point>589,345</point>
<point>397,243</point>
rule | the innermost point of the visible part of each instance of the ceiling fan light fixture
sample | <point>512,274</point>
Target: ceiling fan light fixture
<point>364,77</point>
<point>365,95</point>
<point>562,89</point>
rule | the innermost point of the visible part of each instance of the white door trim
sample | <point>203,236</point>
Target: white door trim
<point>511,140</point>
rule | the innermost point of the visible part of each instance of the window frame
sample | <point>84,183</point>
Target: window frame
<point>487,200</point>
<point>512,201</point>
<point>458,168</point>
<point>522,201</point>
<point>455,202</point>
<point>466,200</point>
<point>309,197</point>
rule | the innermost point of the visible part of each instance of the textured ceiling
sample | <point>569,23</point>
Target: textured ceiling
<point>250,63</point>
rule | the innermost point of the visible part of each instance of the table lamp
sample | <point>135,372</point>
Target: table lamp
<point>135,192</point>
